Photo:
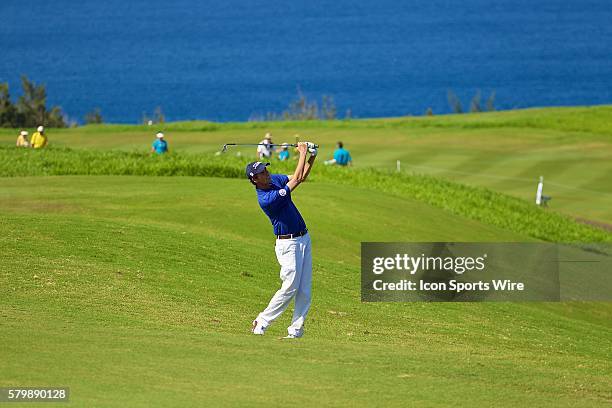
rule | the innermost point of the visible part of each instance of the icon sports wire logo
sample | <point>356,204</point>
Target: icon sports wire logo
<point>412,264</point>
<point>485,271</point>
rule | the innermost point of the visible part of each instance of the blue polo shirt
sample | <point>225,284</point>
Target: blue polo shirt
<point>277,204</point>
<point>342,156</point>
<point>160,146</point>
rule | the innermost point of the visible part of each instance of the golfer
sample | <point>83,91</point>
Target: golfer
<point>293,249</point>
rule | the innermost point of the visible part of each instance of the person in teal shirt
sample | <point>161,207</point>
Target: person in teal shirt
<point>283,155</point>
<point>342,157</point>
<point>160,146</point>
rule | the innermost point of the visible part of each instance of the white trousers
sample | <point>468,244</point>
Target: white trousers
<point>295,258</point>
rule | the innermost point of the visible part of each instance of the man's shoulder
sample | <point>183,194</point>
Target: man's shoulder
<point>280,179</point>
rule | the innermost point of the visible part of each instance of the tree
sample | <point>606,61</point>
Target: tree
<point>301,109</point>
<point>55,118</point>
<point>328,111</point>
<point>454,102</point>
<point>304,109</point>
<point>8,112</point>
<point>32,107</point>
<point>475,104</point>
<point>491,102</point>
<point>94,117</point>
<point>158,115</point>
<point>32,104</point>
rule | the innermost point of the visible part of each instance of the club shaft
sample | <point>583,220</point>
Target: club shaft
<point>263,144</point>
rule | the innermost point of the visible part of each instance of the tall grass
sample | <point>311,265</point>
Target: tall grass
<point>62,161</point>
<point>475,203</point>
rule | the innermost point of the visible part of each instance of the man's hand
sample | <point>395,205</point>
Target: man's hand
<point>302,148</point>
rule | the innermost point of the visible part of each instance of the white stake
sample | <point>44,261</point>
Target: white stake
<point>539,191</point>
<point>398,166</point>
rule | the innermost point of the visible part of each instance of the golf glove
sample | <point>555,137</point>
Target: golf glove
<point>311,148</point>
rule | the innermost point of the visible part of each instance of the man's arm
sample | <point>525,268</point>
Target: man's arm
<point>308,166</point>
<point>298,174</point>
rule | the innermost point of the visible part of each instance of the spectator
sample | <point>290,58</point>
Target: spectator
<point>160,146</point>
<point>39,138</point>
<point>342,157</point>
<point>264,150</point>
<point>22,139</point>
<point>284,155</point>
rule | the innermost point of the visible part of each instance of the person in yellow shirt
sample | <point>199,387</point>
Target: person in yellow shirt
<point>22,139</point>
<point>39,139</point>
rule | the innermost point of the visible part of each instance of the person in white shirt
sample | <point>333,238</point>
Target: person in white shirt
<point>265,149</point>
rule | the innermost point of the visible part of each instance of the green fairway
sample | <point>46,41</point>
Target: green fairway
<point>504,151</point>
<point>140,291</point>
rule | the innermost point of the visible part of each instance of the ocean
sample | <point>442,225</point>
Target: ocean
<point>234,60</point>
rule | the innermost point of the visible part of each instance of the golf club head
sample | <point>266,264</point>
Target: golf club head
<point>224,148</point>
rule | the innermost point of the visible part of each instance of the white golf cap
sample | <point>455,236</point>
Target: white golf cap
<point>24,133</point>
<point>159,135</point>
<point>40,129</point>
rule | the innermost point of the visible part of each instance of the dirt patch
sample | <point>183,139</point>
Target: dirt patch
<point>32,206</point>
<point>598,224</point>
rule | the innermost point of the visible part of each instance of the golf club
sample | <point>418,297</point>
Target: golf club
<point>225,146</point>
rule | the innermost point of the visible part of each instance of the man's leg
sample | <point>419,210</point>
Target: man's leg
<point>303,295</point>
<point>291,260</point>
